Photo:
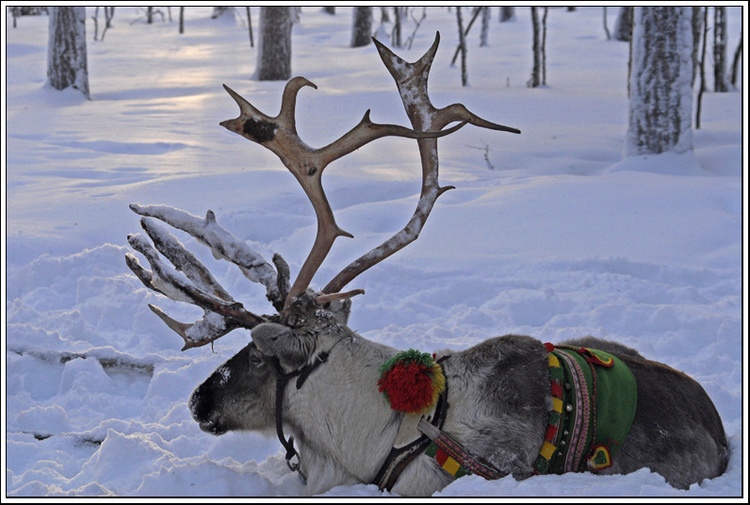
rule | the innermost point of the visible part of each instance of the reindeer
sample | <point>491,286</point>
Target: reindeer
<point>510,405</point>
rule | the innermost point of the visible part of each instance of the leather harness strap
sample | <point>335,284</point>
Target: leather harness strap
<point>282,379</point>
<point>400,457</point>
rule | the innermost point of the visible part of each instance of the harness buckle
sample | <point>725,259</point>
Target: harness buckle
<point>295,467</point>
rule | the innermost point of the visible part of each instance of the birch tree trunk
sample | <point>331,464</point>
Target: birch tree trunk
<point>624,24</point>
<point>275,44</point>
<point>539,68</point>
<point>462,46</point>
<point>720,49</point>
<point>66,52</point>
<point>361,26</point>
<point>697,33</point>
<point>701,66</point>
<point>398,14</point>
<point>660,104</point>
<point>484,37</point>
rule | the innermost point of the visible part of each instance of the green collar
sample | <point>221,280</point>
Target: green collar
<point>594,397</point>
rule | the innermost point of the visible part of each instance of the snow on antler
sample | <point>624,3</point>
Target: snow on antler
<point>189,280</point>
<point>222,243</point>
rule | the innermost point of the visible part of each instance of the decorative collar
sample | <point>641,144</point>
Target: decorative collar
<point>594,396</point>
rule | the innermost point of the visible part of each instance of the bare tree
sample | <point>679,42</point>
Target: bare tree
<point>720,49</point>
<point>624,24</point>
<point>702,67</point>
<point>539,70</point>
<point>399,13</point>
<point>462,46</point>
<point>736,61</point>
<point>544,46</point>
<point>385,17</point>
<point>484,37</point>
<point>361,26</point>
<point>67,64</point>
<point>17,12</point>
<point>250,26</point>
<point>697,33</point>
<point>275,44</point>
<point>661,98</point>
<point>604,20</point>
<point>465,32</point>
<point>417,24</point>
<point>151,12</point>
<point>507,13</point>
<point>109,13</point>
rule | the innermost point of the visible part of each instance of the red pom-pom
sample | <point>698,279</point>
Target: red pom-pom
<point>411,382</point>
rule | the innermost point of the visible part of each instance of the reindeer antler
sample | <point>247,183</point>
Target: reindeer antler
<point>411,80</point>
<point>279,134</point>
<point>221,313</point>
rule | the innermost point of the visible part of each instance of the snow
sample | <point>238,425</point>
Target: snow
<point>564,238</point>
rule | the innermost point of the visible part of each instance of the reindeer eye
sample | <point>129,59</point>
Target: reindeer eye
<point>256,359</point>
<point>296,321</point>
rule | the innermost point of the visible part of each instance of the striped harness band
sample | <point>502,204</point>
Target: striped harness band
<point>594,398</point>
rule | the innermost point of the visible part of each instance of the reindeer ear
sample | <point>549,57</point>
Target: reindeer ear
<point>340,309</point>
<point>281,342</point>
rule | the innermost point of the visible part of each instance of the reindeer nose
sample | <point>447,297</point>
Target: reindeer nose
<point>202,406</point>
<point>213,428</point>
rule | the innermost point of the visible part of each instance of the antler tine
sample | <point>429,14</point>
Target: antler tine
<point>459,112</point>
<point>221,313</point>
<point>245,106</point>
<point>289,101</point>
<point>279,135</point>
<point>170,247</point>
<point>223,245</point>
<point>411,80</point>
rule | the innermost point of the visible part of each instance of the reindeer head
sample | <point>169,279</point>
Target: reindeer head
<point>222,402</point>
<point>239,395</point>
<point>303,315</point>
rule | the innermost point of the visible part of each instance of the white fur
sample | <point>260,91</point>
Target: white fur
<point>345,433</point>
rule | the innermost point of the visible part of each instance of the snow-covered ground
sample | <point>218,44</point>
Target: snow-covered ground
<point>563,237</point>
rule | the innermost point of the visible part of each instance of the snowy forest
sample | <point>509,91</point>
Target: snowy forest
<point>619,212</point>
